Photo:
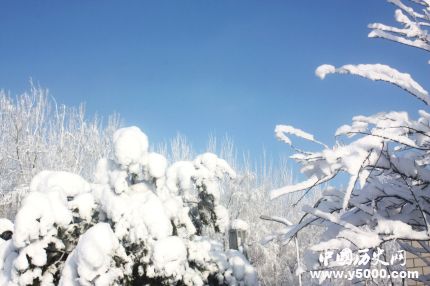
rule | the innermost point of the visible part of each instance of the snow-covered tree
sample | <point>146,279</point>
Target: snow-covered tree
<point>38,134</point>
<point>385,157</point>
<point>140,222</point>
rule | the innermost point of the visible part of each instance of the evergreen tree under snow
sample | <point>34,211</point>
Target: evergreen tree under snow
<point>140,222</point>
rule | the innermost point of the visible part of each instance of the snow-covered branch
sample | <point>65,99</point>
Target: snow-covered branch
<point>378,72</point>
<point>415,25</point>
<point>385,158</point>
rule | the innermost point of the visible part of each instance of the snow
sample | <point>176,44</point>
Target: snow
<point>208,254</point>
<point>222,218</point>
<point>68,184</point>
<point>137,213</point>
<point>310,182</point>
<point>413,33</point>
<point>84,204</point>
<point>91,263</point>
<point>157,165</point>
<point>197,180</point>
<point>324,70</point>
<point>108,172</point>
<point>170,256</point>
<point>53,196</point>
<point>239,225</point>
<point>242,270</point>
<point>37,216</point>
<point>281,130</point>
<point>214,165</point>
<point>357,127</point>
<point>210,167</point>
<point>7,258</point>
<point>382,34</point>
<point>379,72</point>
<point>5,225</point>
<point>179,176</point>
<point>130,146</point>
<point>399,229</point>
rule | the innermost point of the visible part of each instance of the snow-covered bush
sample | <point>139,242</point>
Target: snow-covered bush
<point>141,221</point>
<point>385,158</point>
<point>246,198</point>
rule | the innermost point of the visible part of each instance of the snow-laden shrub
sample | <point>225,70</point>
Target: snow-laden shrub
<point>139,222</point>
<point>246,199</point>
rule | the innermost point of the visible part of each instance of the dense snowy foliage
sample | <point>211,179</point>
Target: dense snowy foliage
<point>141,221</point>
<point>384,156</point>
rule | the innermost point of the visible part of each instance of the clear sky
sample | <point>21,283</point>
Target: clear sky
<point>236,67</point>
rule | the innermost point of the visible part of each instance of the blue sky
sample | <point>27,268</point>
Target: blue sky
<point>207,67</point>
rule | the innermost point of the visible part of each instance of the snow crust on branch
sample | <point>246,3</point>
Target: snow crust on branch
<point>379,72</point>
<point>306,184</point>
<point>281,130</point>
<point>324,70</point>
<point>415,26</point>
